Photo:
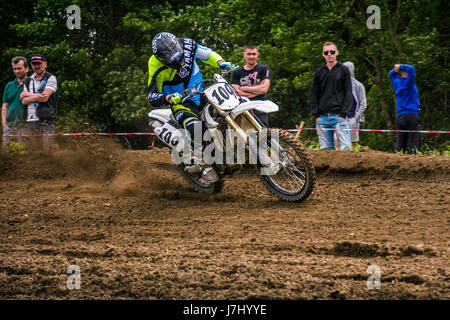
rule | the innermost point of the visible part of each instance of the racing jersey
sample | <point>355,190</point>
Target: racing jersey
<point>163,80</point>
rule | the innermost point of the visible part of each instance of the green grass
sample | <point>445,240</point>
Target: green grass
<point>427,151</point>
<point>15,147</point>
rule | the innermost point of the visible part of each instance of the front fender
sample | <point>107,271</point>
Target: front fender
<point>266,106</point>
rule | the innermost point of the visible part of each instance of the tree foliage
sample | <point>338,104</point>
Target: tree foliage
<point>102,67</point>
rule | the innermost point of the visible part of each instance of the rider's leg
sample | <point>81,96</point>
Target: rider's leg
<point>188,118</point>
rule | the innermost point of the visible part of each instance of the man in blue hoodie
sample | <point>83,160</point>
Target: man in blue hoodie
<point>408,105</point>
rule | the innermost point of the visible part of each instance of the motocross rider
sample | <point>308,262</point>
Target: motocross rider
<point>173,68</point>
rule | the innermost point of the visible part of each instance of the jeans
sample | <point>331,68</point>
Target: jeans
<point>408,121</point>
<point>353,124</point>
<point>42,127</point>
<point>7,131</point>
<point>326,140</point>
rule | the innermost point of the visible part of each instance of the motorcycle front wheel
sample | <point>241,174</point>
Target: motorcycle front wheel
<point>295,176</point>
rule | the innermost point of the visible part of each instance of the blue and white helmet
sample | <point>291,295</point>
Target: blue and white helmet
<point>168,49</point>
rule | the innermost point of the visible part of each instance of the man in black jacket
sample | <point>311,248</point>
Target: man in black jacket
<point>40,95</point>
<point>331,100</point>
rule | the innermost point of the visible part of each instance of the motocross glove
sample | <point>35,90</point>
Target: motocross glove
<point>175,98</point>
<point>227,65</point>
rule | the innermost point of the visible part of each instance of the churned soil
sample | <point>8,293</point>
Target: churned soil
<point>137,230</point>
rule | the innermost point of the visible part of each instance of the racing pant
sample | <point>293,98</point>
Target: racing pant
<point>187,116</point>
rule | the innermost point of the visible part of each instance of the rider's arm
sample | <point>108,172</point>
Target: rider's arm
<point>208,56</point>
<point>155,98</point>
<point>156,73</point>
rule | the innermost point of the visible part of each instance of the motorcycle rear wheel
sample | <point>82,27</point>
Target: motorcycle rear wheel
<point>194,179</point>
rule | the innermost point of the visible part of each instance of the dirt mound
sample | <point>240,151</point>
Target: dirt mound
<point>101,159</point>
<point>89,158</point>
<point>377,162</point>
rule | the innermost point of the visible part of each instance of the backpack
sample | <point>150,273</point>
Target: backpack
<point>45,110</point>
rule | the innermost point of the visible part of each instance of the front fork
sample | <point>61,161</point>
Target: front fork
<point>267,161</point>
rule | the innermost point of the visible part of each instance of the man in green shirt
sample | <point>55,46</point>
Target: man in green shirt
<point>13,111</point>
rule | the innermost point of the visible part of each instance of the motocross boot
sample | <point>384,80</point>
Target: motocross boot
<point>196,166</point>
<point>209,175</point>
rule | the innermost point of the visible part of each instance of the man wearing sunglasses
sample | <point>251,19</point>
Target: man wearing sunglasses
<point>41,97</point>
<point>331,100</point>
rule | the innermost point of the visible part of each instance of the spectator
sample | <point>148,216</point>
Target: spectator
<point>408,106</point>
<point>40,93</point>
<point>356,113</point>
<point>253,79</point>
<point>331,100</point>
<point>13,111</point>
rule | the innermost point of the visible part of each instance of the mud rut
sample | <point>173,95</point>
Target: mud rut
<point>138,231</point>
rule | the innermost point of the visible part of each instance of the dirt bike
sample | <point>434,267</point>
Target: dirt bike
<point>282,162</point>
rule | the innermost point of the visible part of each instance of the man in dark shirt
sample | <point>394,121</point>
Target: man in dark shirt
<point>331,100</point>
<point>253,79</point>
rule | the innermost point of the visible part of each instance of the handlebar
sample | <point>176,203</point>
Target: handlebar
<point>188,93</point>
<point>226,71</point>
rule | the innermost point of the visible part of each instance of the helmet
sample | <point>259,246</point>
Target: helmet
<point>168,49</point>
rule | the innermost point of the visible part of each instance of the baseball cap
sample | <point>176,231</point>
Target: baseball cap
<point>38,58</point>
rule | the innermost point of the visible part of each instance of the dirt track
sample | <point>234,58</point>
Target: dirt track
<point>138,231</point>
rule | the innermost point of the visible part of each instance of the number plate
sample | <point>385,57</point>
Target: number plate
<point>222,95</point>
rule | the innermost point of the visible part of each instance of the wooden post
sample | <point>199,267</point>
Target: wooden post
<point>299,129</point>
